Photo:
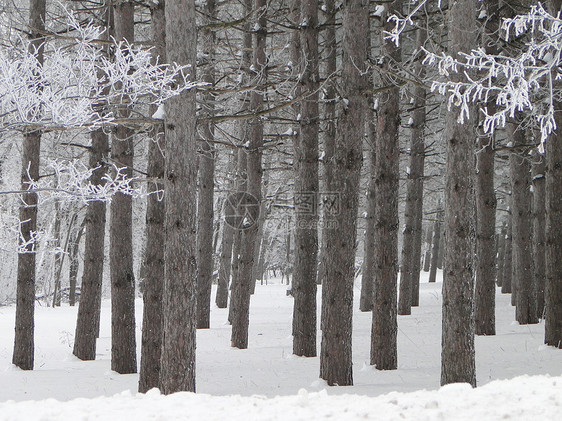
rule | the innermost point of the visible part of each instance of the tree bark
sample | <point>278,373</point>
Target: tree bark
<point>485,276</point>
<point>177,372</point>
<point>306,187</point>
<point>539,233</point>
<point>205,204</point>
<point>87,323</point>
<point>508,259</point>
<point>343,179</point>
<point>457,343</point>
<point>409,273</point>
<point>436,243</point>
<point>24,346</point>
<point>384,353</point>
<point>152,321</point>
<point>526,295</point>
<point>427,254</point>
<point>501,255</point>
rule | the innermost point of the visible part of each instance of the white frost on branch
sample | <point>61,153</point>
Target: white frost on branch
<point>77,85</point>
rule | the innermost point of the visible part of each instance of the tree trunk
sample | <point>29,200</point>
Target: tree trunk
<point>152,320</point>
<point>526,294</point>
<point>539,233</point>
<point>343,180</point>
<point>123,342</point>
<point>205,204</point>
<point>435,248</point>
<point>485,264</point>
<point>457,343</point>
<point>508,259</point>
<point>177,372</point>
<point>306,187</point>
<point>74,260</point>
<point>427,254</point>
<point>409,276</point>
<point>25,288</point>
<point>501,255</point>
<point>87,323</point>
<point>384,354</point>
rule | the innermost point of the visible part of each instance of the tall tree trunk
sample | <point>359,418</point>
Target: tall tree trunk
<point>241,296</point>
<point>25,288</point>
<point>205,204</point>
<point>384,353</point>
<point>409,273</point>
<point>485,277</point>
<point>501,255</point>
<point>427,254</point>
<point>436,243</point>
<point>153,319</point>
<point>74,260</point>
<point>520,169</point>
<point>508,259</point>
<point>539,233</point>
<point>177,370</point>
<point>123,342</point>
<point>457,343</point>
<point>329,105</point>
<point>306,187</point>
<point>87,323</point>
<point>343,178</point>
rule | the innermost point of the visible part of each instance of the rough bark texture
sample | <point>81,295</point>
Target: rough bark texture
<point>177,370</point>
<point>123,342</point>
<point>457,343</point>
<point>306,187</point>
<point>501,255</point>
<point>343,179</point>
<point>539,233</point>
<point>409,273</point>
<point>74,260</point>
<point>87,324</point>
<point>485,264</point>
<point>241,296</point>
<point>553,287</point>
<point>368,275</point>
<point>507,261</point>
<point>205,199</point>
<point>520,168</point>
<point>23,355</point>
<point>152,320</point>
<point>384,354</point>
<point>435,248</point>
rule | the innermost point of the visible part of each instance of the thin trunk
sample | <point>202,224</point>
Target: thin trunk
<point>501,255</point>
<point>177,372</point>
<point>306,187</point>
<point>427,248</point>
<point>485,264</point>
<point>343,179</point>
<point>539,233</point>
<point>152,320</point>
<point>507,261</point>
<point>25,288</point>
<point>457,344</point>
<point>435,248</point>
<point>87,324</point>
<point>241,297</point>
<point>74,260</point>
<point>520,171</point>
<point>205,204</point>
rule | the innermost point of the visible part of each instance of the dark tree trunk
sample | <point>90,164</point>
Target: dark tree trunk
<point>457,343</point>
<point>520,169</point>
<point>427,254</point>
<point>553,286</point>
<point>74,262</point>
<point>177,372</point>
<point>343,177</point>
<point>87,323</point>
<point>241,296</point>
<point>205,204</point>
<point>501,255</point>
<point>25,288</point>
<point>539,233</point>
<point>123,342</point>
<point>409,273</point>
<point>152,320</point>
<point>306,188</point>
<point>485,264</point>
<point>384,353</point>
<point>507,261</point>
<point>435,248</point>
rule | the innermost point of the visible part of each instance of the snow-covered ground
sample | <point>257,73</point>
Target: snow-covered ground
<point>268,382</point>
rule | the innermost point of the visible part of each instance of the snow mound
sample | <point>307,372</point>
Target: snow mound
<point>521,398</point>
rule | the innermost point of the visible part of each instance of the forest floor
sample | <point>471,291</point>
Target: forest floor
<point>274,384</point>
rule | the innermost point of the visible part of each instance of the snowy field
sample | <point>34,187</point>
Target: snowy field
<point>268,382</point>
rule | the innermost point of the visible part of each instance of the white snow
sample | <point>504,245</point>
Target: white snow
<point>379,10</point>
<point>160,113</point>
<point>267,382</point>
